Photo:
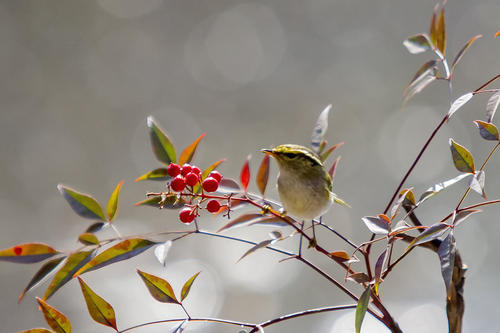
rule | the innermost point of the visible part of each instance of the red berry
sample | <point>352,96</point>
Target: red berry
<point>178,184</point>
<point>210,184</point>
<point>192,179</point>
<point>196,170</point>
<point>186,215</point>
<point>216,175</point>
<point>213,206</point>
<point>18,250</point>
<point>173,169</point>
<point>186,168</point>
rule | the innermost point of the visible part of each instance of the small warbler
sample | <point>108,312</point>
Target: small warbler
<point>304,186</point>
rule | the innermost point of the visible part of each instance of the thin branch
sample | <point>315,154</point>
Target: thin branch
<point>208,320</point>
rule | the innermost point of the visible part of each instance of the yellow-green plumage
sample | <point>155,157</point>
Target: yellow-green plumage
<point>304,186</point>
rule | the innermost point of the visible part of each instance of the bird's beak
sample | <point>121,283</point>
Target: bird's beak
<point>267,151</point>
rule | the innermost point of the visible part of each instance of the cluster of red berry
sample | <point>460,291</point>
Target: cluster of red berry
<point>190,175</point>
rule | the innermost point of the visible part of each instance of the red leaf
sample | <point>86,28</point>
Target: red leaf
<point>263,174</point>
<point>245,174</point>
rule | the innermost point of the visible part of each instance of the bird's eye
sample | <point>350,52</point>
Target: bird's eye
<point>290,155</point>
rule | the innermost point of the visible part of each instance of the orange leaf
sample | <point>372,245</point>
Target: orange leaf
<point>56,320</point>
<point>263,174</point>
<point>27,253</point>
<point>188,153</point>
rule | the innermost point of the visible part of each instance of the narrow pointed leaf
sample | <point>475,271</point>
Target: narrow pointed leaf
<point>376,225</point>
<point>359,278</point>
<point>162,146</point>
<point>436,188</point>
<point>73,263</point>
<point>256,247</point>
<point>27,253</point>
<point>429,234</point>
<point>122,251</point>
<point>330,150</point>
<point>492,106</point>
<point>417,43</point>
<point>205,174</point>
<point>402,197</point>
<point>458,103</point>
<point>446,252</point>
<point>188,153</point>
<point>187,286</point>
<point>270,220</point>
<point>488,131</point>
<point>245,174</point>
<point>161,252</point>
<point>433,27</point>
<point>37,330</point>
<point>379,266</point>
<point>240,220</point>
<point>331,172</point>
<point>54,318</point>
<point>322,146</point>
<point>340,201</point>
<point>441,32</point>
<point>160,289</point>
<point>95,227</point>
<point>159,174</point>
<point>83,204</point>
<point>424,76</point>
<point>42,273</point>
<point>361,308</point>
<point>477,183</point>
<point>460,53</point>
<point>263,174</point>
<point>88,238</point>
<point>320,129</point>
<point>170,202</point>
<point>228,185</point>
<point>100,310</point>
<point>342,255</point>
<point>112,207</point>
<point>464,215</point>
<point>462,158</point>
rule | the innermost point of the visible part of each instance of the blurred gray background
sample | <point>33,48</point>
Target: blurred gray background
<point>79,79</point>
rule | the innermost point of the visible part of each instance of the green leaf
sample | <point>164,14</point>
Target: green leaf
<point>170,202</point>
<point>160,289</point>
<point>44,271</point>
<point>159,174</point>
<point>113,202</point>
<point>417,43</point>
<point>206,172</point>
<point>100,310</point>
<point>330,150</point>
<point>187,286</point>
<point>188,153</point>
<point>64,275</point>
<point>55,319</point>
<point>462,158</point>
<point>361,308</point>
<point>83,204</point>
<point>488,131</point>
<point>88,238</point>
<point>122,251</point>
<point>263,174</point>
<point>162,146</point>
<point>320,129</point>
<point>492,106</point>
<point>446,252</point>
<point>27,253</point>
<point>458,103</point>
<point>460,53</point>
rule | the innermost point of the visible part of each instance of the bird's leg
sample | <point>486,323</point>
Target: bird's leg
<point>312,242</point>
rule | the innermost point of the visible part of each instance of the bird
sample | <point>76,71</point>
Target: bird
<point>304,185</point>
